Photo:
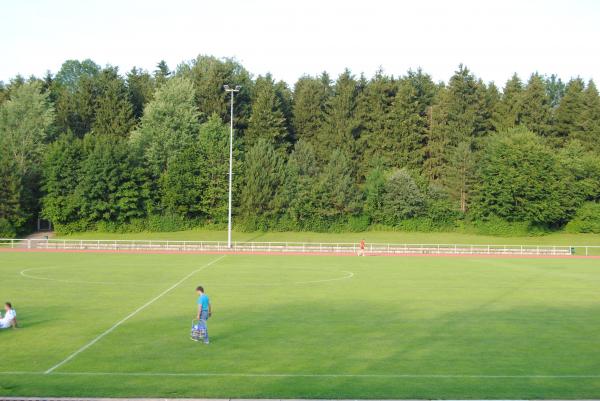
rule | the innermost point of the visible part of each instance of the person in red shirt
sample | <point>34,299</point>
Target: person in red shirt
<point>361,252</point>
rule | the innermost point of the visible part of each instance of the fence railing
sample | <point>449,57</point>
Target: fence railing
<point>296,247</point>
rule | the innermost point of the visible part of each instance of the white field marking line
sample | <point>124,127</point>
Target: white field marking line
<point>132,314</point>
<point>348,276</point>
<point>29,276</point>
<point>307,375</point>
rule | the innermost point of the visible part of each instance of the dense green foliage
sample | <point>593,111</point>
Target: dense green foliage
<point>90,147</point>
<point>432,328</point>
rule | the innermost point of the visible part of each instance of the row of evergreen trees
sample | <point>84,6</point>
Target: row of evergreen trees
<point>89,147</point>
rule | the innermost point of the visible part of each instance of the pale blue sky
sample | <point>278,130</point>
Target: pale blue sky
<point>291,38</point>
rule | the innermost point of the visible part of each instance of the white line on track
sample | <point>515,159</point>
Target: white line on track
<point>132,314</point>
<point>306,375</point>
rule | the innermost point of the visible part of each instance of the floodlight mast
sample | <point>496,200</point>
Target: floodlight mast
<point>232,91</point>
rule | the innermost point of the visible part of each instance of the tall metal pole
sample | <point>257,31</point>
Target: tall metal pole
<point>230,172</point>
<point>232,90</point>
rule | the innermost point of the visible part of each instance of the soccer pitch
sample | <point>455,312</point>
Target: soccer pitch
<point>301,326</point>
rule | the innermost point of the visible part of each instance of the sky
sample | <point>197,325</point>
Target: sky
<point>291,38</point>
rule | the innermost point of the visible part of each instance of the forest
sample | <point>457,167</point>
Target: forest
<point>92,148</point>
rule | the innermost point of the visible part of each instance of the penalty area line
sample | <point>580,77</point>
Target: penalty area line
<point>132,314</point>
<point>302,375</point>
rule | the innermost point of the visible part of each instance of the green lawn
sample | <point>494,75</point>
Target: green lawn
<point>302,327</point>
<point>370,236</point>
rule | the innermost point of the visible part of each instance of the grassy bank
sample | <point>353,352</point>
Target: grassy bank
<point>370,236</point>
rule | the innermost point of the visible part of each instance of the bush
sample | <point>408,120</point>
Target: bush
<point>521,179</point>
<point>73,227</point>
<point>6,229</point>
<point>154,223</point>
<point>587,219</point>
<point>425,224</point>
<point>358,223</point>
<point>443,213</point>
<point>170,222</point>
<point>494,225</point>
<point>402,198</point>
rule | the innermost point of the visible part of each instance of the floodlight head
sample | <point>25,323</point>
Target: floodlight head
<point>238,87</point>
<point>226,87</point>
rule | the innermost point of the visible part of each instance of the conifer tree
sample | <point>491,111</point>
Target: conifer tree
<point>214,168</point>
<point>377,129</point>
<point>267,120</point>
<point>310,96</point>
<point>112,185</point>
<point>140,88</point>
<point>555,88</point>
<point>438,136</point>
<point>341,125</point>
<point>536,107</point>
<point>336,188</point>
<point>587,123</point>
<point>113,111</point>
<point>568,110</point>
<point>460,113</point>
<point>411,117</point>
<point>162,73</point>
<point>61,175</point>
<point>264,173</point>
<point>460,175</point>
<point>299,192</point>
<point>509,109</point>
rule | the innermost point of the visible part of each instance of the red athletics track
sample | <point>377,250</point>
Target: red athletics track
<point>159,252</point>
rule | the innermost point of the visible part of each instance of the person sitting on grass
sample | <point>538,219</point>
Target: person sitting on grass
<point>204,311</point>
<point>10,317</point>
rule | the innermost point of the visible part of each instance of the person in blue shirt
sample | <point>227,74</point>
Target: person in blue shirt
<point>204,311</point>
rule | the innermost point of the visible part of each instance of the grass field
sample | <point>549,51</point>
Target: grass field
<point>301,326</point>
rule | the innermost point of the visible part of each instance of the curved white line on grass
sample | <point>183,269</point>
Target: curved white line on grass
<point>348,276</point>
<point>308,375</point>
<point>25,274</point>
<point>132,314</point>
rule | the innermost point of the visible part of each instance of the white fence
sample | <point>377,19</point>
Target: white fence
<point>295,247</point>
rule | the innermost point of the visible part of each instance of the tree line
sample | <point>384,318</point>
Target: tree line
<point>91,148</point>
